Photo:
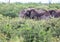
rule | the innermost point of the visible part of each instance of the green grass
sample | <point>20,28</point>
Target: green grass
<point>28,30</point>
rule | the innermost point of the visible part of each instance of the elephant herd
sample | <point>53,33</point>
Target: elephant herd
<point>33,13</point>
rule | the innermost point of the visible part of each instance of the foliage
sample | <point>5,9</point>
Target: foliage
<point>13,9</point>
<point>28,30</point>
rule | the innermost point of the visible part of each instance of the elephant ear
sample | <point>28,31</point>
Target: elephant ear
<point>52,11</point>
<point>22,13</point>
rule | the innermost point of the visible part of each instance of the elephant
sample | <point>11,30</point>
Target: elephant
<point>33,13</point>
<point>54,13</point>
<point>40,14</point>
<point>57,14</point>
<point>25,13</point>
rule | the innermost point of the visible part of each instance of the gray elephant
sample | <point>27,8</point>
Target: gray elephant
<point>25,13</point>
<point>54,13</point>
<point>39,14</point>
<point>33,13</point>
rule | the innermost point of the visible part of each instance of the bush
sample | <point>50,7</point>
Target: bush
<point>29,30</point>
<point>13,9</point>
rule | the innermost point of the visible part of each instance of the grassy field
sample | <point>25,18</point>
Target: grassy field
<point>15,29</point>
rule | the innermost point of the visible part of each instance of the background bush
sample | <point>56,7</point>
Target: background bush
<point>13,9</point>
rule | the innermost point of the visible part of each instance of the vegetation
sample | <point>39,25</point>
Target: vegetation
<point>15,29</point>
<point>13,9</point>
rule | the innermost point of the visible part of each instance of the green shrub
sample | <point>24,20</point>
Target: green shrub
<point>28,30</point>
<point>13,9</point>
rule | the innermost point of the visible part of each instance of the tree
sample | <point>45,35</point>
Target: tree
<point>50,1</point>
<point>9,1</point>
